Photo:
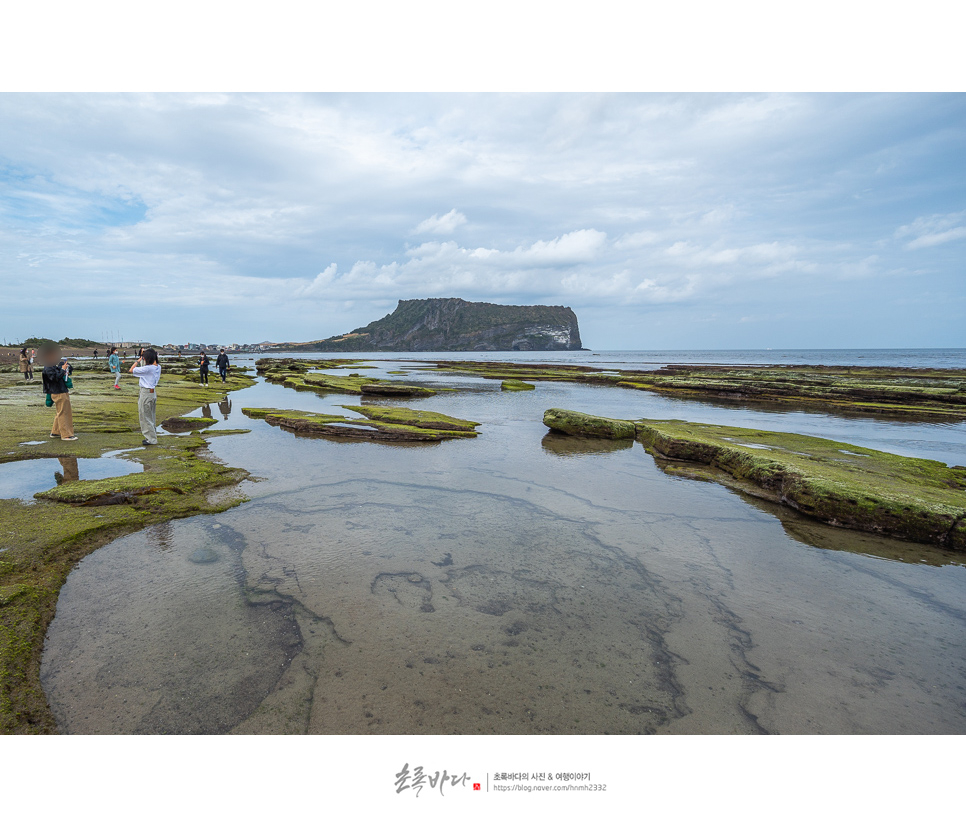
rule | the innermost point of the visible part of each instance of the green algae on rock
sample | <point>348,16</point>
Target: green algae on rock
<point>40,543</point>
<point>576,423</point>
<point>381,424</point>
<point>905,393</point>
<point>179,425</point>
<point>912,499</point>
<point>847,486</point>
<point>516,385</point>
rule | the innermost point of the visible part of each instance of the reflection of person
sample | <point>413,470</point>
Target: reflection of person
<point>203,367</point>
<point>222,363</point>
<point>148,372</point>
<point>206,411</point>
<point>54,377</point>
<point>70,473</point>
<point>114,365</point>
<point>225,408</point>
<point>24,365</point>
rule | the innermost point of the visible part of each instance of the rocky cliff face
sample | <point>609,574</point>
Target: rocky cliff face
<point>440,324</point>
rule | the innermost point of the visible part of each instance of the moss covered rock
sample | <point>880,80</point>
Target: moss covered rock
<point>587,425</point>
<point>516,385</point>
<point>847,486</point>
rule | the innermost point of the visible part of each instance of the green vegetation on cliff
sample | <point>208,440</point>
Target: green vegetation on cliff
<point>455,324</point>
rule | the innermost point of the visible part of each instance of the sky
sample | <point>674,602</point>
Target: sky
<point>666,221</point>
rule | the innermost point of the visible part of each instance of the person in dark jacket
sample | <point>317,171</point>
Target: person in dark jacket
<point>222,363</point>
<point>54,376</point>
<point>203,363</point>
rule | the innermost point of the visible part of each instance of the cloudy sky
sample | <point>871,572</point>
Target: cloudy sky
<point>664,221</point>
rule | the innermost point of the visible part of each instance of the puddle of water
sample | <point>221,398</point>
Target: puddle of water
<point>516,583</point>
<point>32,443</point>
<point>23,478</point>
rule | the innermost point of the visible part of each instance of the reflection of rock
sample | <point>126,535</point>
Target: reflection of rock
<point>183,424</point>
<point>575,422</point>
<point>843,485</point>
<point>566,445</point>
<point>396,391</point>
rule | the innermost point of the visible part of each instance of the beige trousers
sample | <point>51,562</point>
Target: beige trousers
<point>147,402</point>
<point>64,419</point>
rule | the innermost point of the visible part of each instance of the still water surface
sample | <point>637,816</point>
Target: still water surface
<point>513,583</point>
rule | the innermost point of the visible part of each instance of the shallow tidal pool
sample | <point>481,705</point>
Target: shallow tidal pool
<point>518,582</point>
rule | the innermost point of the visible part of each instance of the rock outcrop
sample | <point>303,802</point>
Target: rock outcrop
<point>442,324</point>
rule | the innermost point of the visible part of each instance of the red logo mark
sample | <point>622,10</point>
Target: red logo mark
<point>476,786</point>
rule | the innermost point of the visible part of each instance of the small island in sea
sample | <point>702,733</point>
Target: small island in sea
<point>444,324</point>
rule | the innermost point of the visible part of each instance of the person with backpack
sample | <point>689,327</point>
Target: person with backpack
<point>56,376</point>
<point>114,366</point>
<point>222,363</point>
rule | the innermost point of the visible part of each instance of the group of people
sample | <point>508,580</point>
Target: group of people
<point>221,363</point>
<point>57,384</point>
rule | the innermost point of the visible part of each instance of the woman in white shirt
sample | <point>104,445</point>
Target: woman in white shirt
<point>148,372</point>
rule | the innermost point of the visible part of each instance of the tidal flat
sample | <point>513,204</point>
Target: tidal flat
<point>98,488</point>
<point>520,582</point>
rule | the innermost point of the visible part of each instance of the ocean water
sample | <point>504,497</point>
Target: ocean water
<point>646,359</point>
<point>518,582</point>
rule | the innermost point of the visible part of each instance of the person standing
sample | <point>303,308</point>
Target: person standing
<point>148,372</point>
<point>203,363</point>
<point>95,353</point>
<point>54,377</point>
<point>33,357</point>
<point>24,364</point>
<point>222,363</point>
<point>114,365</point>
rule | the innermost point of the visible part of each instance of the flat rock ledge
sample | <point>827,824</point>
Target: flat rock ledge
<point>912,499</point>
<point>386,425</point>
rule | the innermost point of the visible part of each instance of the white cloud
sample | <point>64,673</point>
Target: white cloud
<point>934,230</point>
<point>437,225</point>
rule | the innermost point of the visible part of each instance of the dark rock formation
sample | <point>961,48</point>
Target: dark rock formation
<point>454,324</point>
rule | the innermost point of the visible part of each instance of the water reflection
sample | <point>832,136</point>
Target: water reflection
<point>224,406</point>
<point>24,478</point>
<point>564,445</point>
<point>71,471</point>
<point>510,584</point>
